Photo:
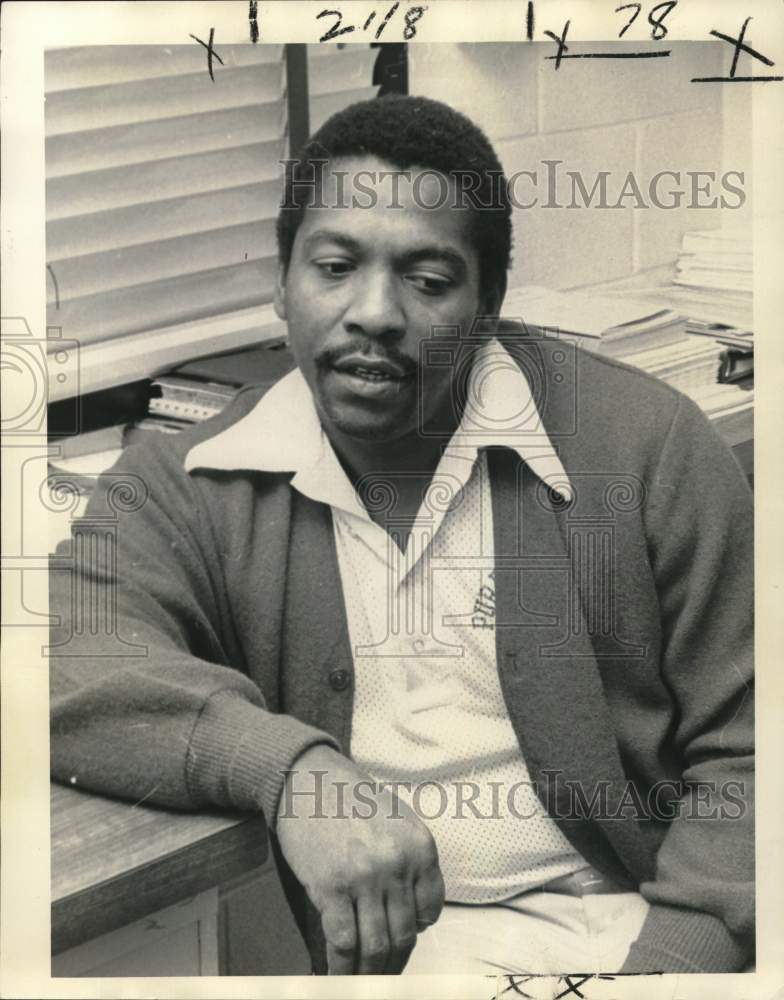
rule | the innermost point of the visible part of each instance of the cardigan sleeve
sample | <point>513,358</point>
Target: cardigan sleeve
<point>699,524</point>
<point>147,701</point>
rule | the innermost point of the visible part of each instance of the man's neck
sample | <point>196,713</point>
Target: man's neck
<point>412,454</point>
<point>404,467</point>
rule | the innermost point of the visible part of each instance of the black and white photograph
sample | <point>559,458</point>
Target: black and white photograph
<point>381,485</point>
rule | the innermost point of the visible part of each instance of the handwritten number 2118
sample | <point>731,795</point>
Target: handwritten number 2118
<point>412,15</point>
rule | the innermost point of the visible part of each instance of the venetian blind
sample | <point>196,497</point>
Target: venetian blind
<point>162,188</point>
<point>161,185</point>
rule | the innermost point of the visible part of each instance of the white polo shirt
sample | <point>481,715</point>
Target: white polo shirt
<point>428,713</point>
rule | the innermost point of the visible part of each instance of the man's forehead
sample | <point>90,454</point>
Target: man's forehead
<point>370,182</point>
<point>376,170</point>
<point>368,194</point>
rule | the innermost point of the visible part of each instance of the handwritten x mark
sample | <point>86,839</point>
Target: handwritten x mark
<point>210,52</point>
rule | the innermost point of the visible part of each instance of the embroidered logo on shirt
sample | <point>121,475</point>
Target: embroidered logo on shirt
<point>483,614</point>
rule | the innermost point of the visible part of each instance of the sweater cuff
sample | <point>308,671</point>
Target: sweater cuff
<point>673,939</point>
<point>239,753</point>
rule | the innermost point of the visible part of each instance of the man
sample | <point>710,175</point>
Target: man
<point>468,618</point>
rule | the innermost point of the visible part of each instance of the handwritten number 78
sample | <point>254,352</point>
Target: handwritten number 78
<point>656,21</point>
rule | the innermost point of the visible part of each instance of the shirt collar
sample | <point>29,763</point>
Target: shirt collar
<point>282,433</point>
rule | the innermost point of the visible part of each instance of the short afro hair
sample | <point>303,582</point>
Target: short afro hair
<point>411,132</point>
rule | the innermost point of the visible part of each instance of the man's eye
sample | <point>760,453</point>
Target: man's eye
<point>334,268</point>
<point>432,284</point>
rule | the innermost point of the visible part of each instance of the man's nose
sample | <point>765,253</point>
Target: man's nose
<point>375,309</point>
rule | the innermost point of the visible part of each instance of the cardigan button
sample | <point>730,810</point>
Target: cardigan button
<point>339,680</point>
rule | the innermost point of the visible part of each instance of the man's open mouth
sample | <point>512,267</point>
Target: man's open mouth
<point>377,380</point>
<point>375,370</point>
<point>371,374</point>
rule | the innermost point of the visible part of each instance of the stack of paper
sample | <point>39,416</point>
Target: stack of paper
<point>685,366</point>
<point>714,280</point>
<point>611,325</point>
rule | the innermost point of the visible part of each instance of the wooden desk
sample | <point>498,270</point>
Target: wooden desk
<point>115,864</point>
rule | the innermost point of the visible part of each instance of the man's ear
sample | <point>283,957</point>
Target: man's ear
<point>279,298</point>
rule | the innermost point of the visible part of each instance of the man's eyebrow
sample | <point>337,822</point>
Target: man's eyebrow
<point>332,236</point>
<point>416,255</point>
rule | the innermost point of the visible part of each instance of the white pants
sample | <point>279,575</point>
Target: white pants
<point>536,933</point>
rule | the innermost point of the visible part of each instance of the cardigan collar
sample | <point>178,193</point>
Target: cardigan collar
<point>282,433</point>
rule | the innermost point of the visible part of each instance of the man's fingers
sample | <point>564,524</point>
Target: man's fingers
<point>429,896</point>
<point>339,924</point>
<point>401,921</point>
<point>373,934</point>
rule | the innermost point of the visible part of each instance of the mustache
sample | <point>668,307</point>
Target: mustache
<point>331,356</point>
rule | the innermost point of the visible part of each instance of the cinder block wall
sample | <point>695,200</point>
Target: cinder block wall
<point>616,116</point>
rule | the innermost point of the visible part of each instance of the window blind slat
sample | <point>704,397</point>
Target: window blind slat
<point>151,306</point>
<point>160,220</point>
<point>96,149</point>
<point>100,190</point>
<point>161,97</point>
<point>334,70</point>
<point>128,266</point>
<point>101,65</point>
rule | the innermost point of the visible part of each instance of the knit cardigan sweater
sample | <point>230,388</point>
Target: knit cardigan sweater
<point>192,669</point>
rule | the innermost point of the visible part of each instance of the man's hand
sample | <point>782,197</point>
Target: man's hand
<point>368,864</point>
